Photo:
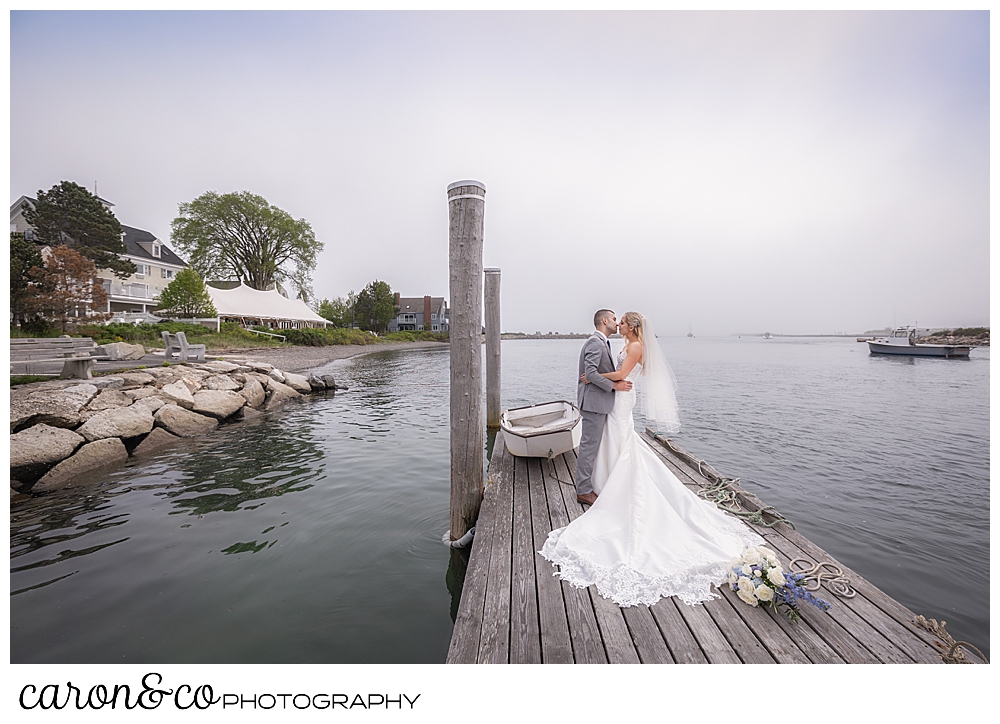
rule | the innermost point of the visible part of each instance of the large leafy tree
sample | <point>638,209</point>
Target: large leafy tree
<point>69,215</point>
<point>375,306</point>
<point>186,296</point>
<point>241,236</point>
<point>24,255</point>
<point>68,287</point>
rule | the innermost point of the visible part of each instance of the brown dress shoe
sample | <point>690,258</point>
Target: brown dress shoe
<point>587,498</point>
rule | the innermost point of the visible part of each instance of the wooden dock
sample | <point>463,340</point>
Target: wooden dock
<point>514,610</point>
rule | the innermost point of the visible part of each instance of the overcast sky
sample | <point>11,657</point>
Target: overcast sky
<point>739,172</point>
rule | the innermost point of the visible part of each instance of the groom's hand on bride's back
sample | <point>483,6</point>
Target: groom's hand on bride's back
<point>623,386</point>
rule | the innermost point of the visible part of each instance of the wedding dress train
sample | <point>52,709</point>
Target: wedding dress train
<point>647,536</point>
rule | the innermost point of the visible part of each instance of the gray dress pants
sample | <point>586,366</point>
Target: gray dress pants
<point>590,441</point>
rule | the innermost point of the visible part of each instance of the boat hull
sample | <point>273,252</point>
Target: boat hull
<point>918,350</point>
<point>542,431</point>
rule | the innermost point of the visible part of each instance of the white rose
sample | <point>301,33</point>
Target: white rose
<point>736,563</point>
<point>764,593</point>
<point>745,585</point>
<point>733,577</point>
<point>747,598</point>
<point>776,577</point>
<point>751,556</point>
<point>766,552</point>
<point>773,560</point>
<point>747,570</point>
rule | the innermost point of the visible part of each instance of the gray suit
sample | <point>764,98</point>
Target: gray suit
<point>595,401</point>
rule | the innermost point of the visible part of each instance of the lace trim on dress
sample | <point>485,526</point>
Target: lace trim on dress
<point>627,586</point>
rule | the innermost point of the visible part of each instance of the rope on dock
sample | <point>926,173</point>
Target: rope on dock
<point>724,492</point>
<point>816,573</point>
<point>954,655</point>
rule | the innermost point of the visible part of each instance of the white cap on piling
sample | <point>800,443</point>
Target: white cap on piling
<point>455,185</point>
<point>491,270</point>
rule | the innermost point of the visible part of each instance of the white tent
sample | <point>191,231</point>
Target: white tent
<point>249,304</point>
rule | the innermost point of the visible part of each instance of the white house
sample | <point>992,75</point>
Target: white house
<point>134,298</point>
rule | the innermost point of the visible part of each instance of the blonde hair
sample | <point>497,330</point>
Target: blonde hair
<point>634,322</point>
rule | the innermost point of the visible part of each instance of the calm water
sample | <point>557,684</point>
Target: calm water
<point>314,535</point>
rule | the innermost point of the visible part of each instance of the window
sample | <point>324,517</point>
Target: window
<point>434,328</point>
<point>156,250</point>
<point>167,273</point>
<point>434,316</point>
<point>142,270</point>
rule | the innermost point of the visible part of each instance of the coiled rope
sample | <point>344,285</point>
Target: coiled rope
<point>953,655</point>
<point>723,491</point>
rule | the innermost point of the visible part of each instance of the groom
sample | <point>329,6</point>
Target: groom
<point>595,399</point>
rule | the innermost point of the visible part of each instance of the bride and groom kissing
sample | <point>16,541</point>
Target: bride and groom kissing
<point>645,536</point>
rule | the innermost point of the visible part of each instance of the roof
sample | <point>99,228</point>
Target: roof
<point>132,238</point>
<point>415,305</point>
<point>244,301</point>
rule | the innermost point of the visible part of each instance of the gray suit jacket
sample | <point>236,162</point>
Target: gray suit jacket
<point>599,395</point>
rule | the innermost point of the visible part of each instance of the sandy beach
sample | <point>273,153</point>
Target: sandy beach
<point>302,359</point>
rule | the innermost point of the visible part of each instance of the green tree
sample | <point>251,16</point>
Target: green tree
<point>68,214</point>
<point>375,307</point>
<point>240,236</point>
<point>186,296</point>
<point>339,311</point>
<point>24,255</point>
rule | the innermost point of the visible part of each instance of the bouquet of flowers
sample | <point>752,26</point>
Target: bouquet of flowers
<point>757,577</point>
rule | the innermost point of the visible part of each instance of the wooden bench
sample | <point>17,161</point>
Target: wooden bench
<point>77,354</point>
<point>178,344</point>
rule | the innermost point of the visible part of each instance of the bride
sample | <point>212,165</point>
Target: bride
<point>647,536</point>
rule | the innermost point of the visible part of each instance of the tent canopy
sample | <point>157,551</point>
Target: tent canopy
<point>244,301</point>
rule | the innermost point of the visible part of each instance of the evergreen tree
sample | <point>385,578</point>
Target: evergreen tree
<point>186,296</point>
<point>24,255</point>
<point>68,214</point>
<point>375,306</point>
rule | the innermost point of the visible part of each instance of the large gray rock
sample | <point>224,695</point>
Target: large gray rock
<point>260,367</point>
<point>247,413</point>
<point>278,394</point>
<point>299,383</point>
<point>92,456</point>
<point>139,393</point>
<point>221,382</point>
<point>155,440</point>
<point>107,400</point>
<point>277,375</point>
<point>253,392</point>
<point>221,366</point>
<point>220,404</point>
<point>33,450</point>
<point>120,422</point>
<point>54,407</point>
<point>316,383</point>
<point>137,379</point>
<point>329,381</point>
<point>108,383</point>
<point>178,393</point>
<point>151,403</point>
<point>122,351</point>
<point>184,423</point>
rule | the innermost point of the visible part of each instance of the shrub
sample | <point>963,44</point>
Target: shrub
<point>320,337</point>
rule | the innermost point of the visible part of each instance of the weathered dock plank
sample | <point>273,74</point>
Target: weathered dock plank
<point>514,609</point>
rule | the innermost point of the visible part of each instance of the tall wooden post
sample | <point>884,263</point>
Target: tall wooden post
<point>466,206</point>
<point>491,300</point>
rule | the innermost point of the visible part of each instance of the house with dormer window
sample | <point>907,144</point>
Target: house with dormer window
<point>415,313</point>
<point>132,299</point>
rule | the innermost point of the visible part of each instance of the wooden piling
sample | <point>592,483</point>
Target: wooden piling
<point>466,207</point>
<point>491,300</point>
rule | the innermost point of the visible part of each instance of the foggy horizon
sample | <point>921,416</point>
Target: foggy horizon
<point>730,172</point>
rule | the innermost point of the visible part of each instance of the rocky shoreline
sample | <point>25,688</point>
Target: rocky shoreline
<point>63,428</point>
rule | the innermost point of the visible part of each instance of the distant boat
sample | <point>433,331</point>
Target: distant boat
<point>903,341</point>
<point>542,431</point>
<point>690,333</point>
<point>768,335</point>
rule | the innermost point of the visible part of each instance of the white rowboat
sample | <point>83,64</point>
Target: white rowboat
<point>542,431</point>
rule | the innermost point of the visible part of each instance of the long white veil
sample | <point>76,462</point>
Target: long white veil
<point>657,384</point>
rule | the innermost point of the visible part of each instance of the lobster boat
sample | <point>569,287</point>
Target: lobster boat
<point>542,431</point>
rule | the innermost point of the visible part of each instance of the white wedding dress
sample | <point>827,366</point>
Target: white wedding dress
<point>647,536</point>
